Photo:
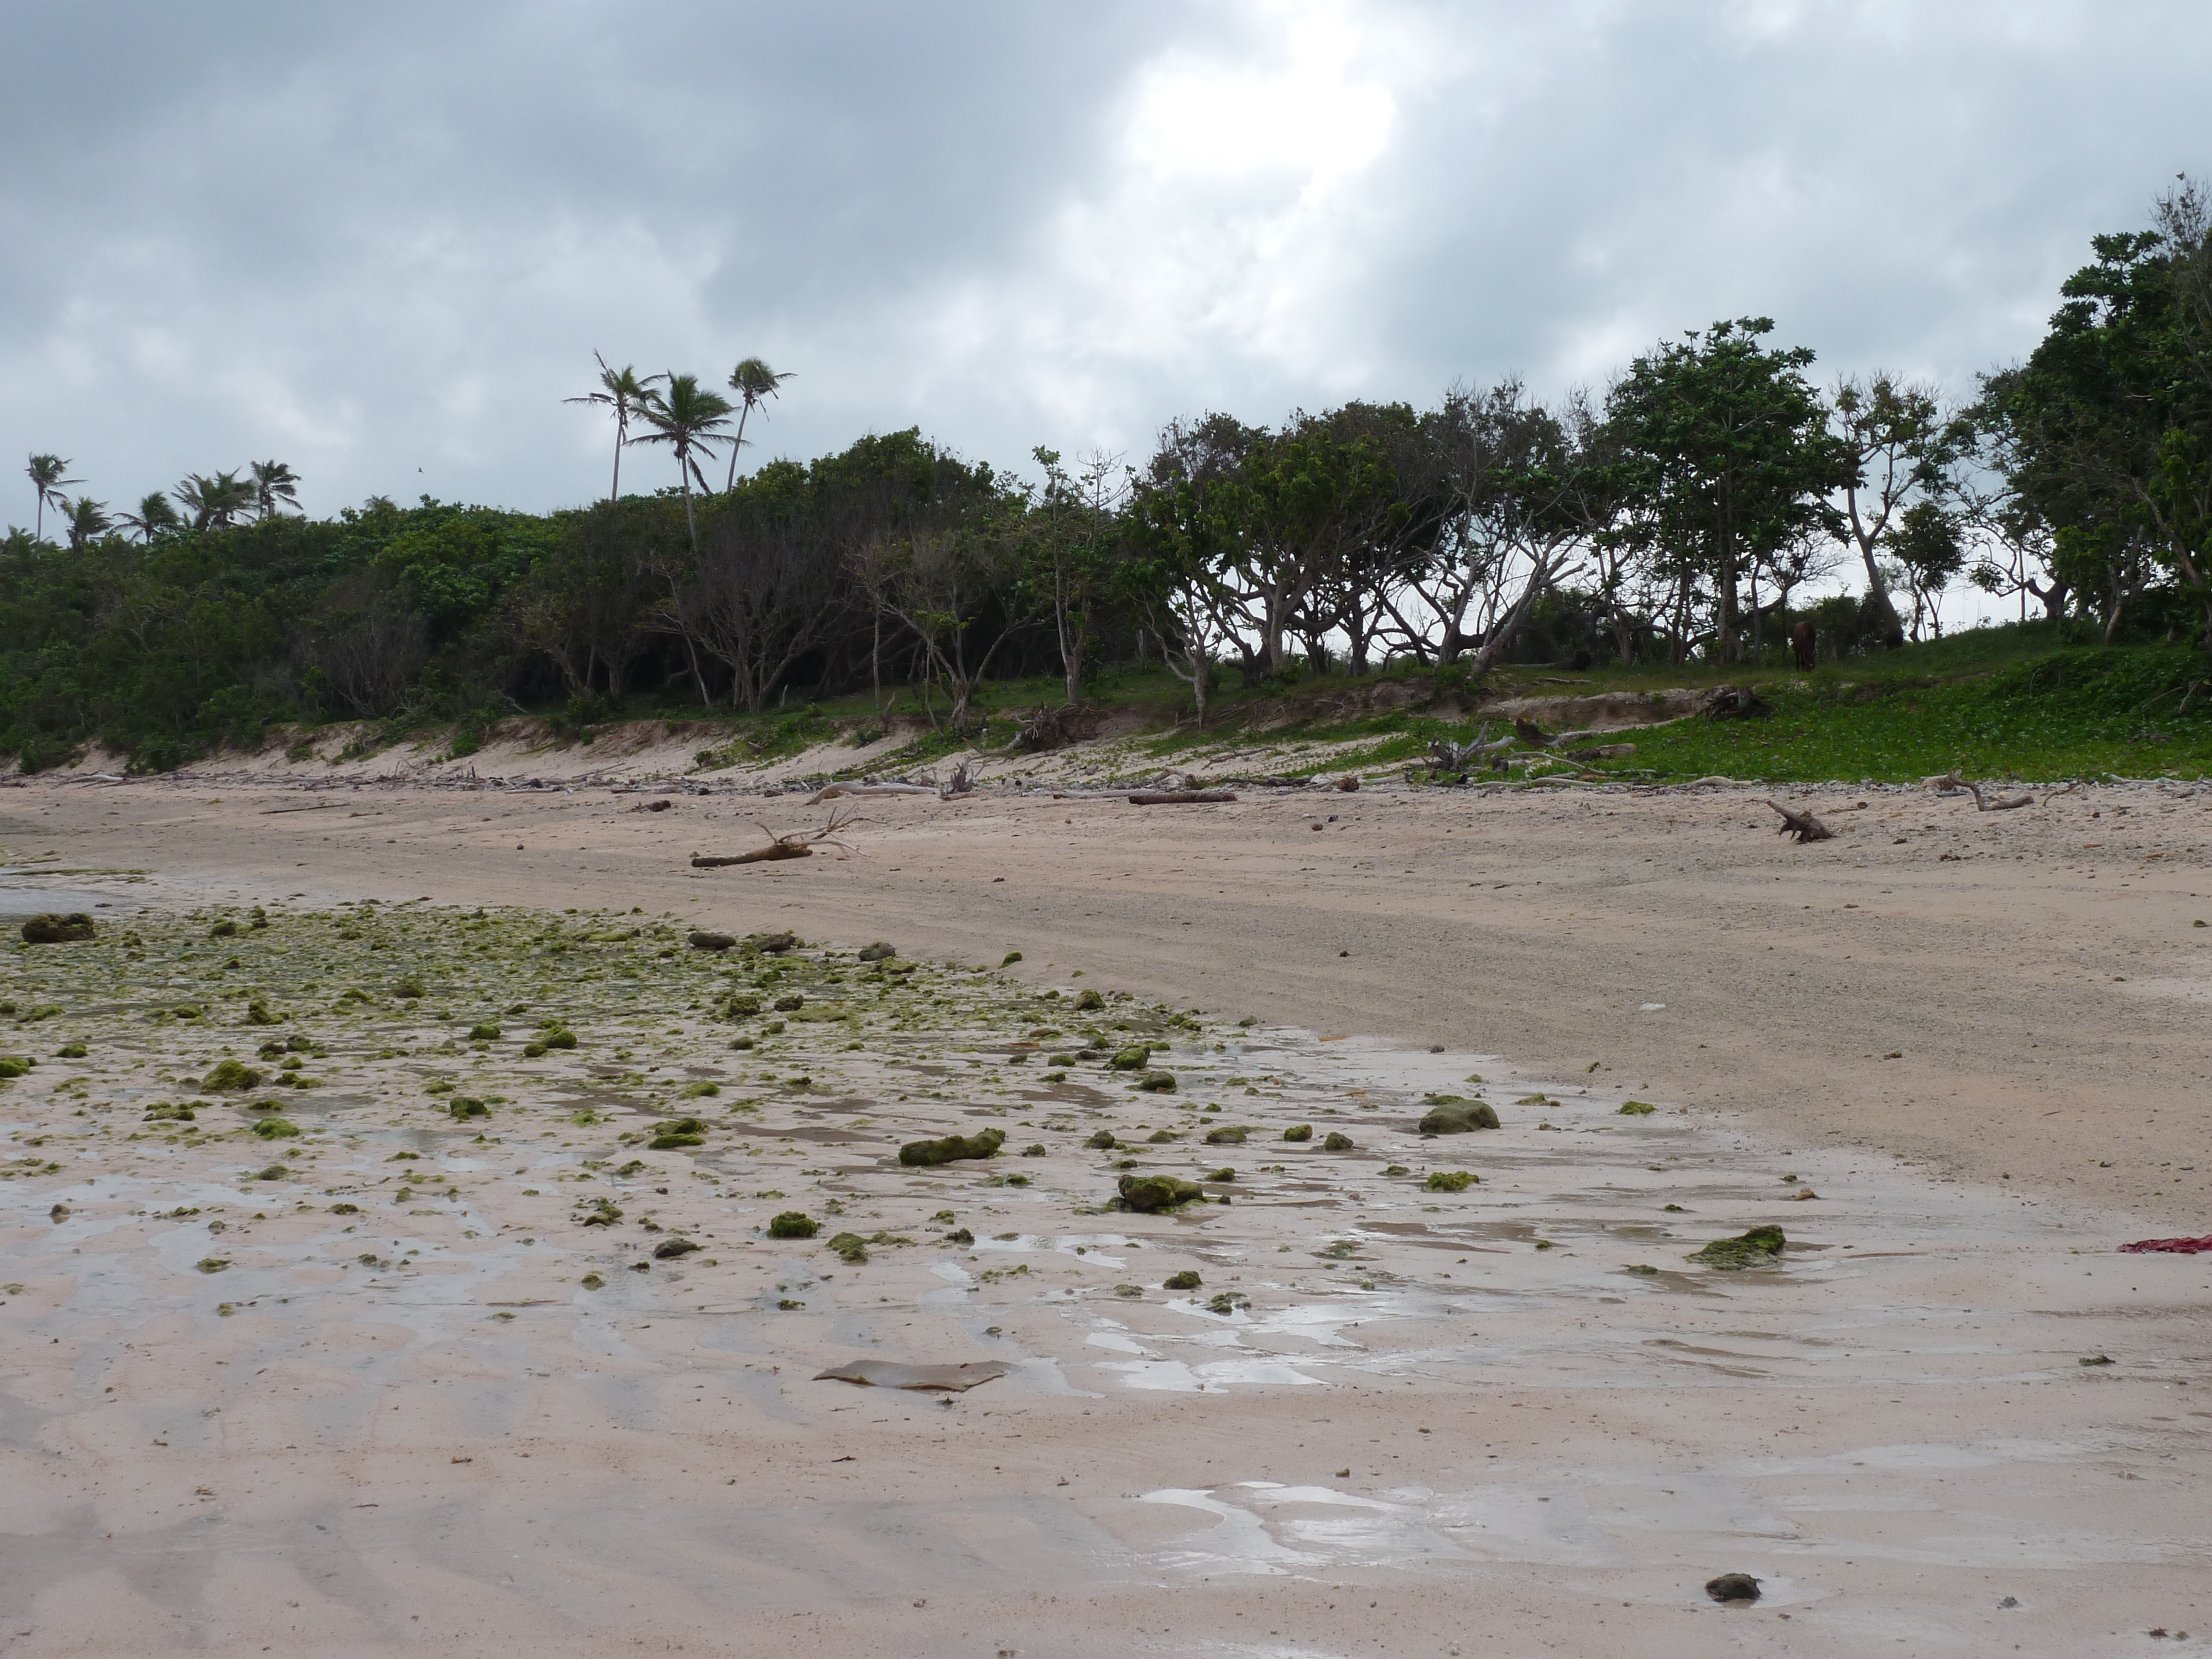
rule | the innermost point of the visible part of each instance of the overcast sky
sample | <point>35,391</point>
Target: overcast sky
<point>381,242</point>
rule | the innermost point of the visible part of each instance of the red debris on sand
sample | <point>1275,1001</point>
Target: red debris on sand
<point>2169,1246</point>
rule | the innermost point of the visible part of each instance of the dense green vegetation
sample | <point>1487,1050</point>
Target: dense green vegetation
<point>1668,532</point>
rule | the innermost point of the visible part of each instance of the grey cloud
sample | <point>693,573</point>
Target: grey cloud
<point>372,240</point>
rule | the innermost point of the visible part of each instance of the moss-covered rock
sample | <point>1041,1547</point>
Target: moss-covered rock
<point>231,1074</point>
<point>678,1132</point>
<point>277,1129</point>
<point>1157,1083</point>
<point>1298,1132</point>
<point>465,1107</point>
<point>921,1153</point>
<point>1188,1279</point>
<point>850,1246</point>
<point>56,928</point>
<point>1450,1180</point>
<point>1103,1141</point>
<point>1149,1194</point>
<point>1339,1142</point>
<point>1453,1114</point>
<point>1635,1108</point>
<point>793,1223</point>
<point>1229,1134</point>
<point>1132,1059</point>
<point>1762,1247</point>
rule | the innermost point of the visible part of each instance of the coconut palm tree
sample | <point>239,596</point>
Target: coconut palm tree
<point>45,475</point>
<point>753,381</point>
<point>213,502</point>
<point>689,419</point>
<point>275,485</point>
<point>154,516</point>
<point>622,391</point>
<point>86,518</point>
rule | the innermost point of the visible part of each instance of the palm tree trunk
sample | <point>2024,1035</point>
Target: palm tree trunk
<point>731,483</point>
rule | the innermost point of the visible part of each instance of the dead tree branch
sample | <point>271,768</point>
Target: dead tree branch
<point>1804,825</point>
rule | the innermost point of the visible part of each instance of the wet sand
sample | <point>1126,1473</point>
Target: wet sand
<point>1416,1431</point>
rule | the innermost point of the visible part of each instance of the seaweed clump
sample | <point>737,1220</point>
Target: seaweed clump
<point>1761,1246</point>
<point>678,1132</point>
<point>793,1223</point>
<point>945,1150</point>
<point>1450,1181</point>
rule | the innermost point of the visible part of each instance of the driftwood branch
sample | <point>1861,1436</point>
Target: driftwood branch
<point>1950,783</point>
<point>1181,797</point>
<point>837,791</point>
<point>797,844</point>
<point>1804,825</point>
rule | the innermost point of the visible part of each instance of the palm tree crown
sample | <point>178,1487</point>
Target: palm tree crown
<point>154,515</point>
<point>625,395</point>
<point>754,382</point>
<point>275,485</point>
<point>215,503</point>
<point>44,472</point>
<point>86,519</point>
<point>689,419</point>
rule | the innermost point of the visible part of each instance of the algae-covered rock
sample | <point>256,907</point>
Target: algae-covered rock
<point>1089,1001</point>
<point>169,1111</point>
<point>1157,1083</point>
<point>1148,1194</point>
<point>1036,1150</point>
<point>1102,1141</point>
<point>1732,1587</point>
<point>774,944</point>
<point>669,1248</point>
<point>231,1074</point>
<point>793,1223</point>
<point>1450,1180</point>
<point>1453,1114</point>
<point>1339,1142</point>
<point>1132,1059</point>
<point>1635,1108</point>
<point>464,1107</point>
<point>1298,1132</point>
<point>850,1246</point>
<point>55,928</point>
<point>790,1003</point>
<point>1761,1246</point>
<point>1010,959</point>
<point>701,940</point>
<point>1188,1279</point>
<point>678,1132</point>
<point>1229,1134</point>
<point>1224,1174</point>
<point>959,1235</point>
<point>275,1128</point>
<point>945,1150</point>
<point>740,1005</point>
<point>879,951</point>
<point>1162,1137</point>
<point>15,1065</point>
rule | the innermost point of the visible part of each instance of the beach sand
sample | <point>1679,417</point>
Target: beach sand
<point>1420,1422</point>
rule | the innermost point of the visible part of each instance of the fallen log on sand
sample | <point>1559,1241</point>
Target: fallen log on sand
<point>1181,797</point>
<point>759,855</point>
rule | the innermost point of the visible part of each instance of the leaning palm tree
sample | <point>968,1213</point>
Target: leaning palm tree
<point>753,381</point>
<point>44,472</point>
<point>275,485</point>
<point>86,518</point>
<point>153,517</point>
<point>622,391</point>
<point>213,502</point>
<point>690,419</point>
